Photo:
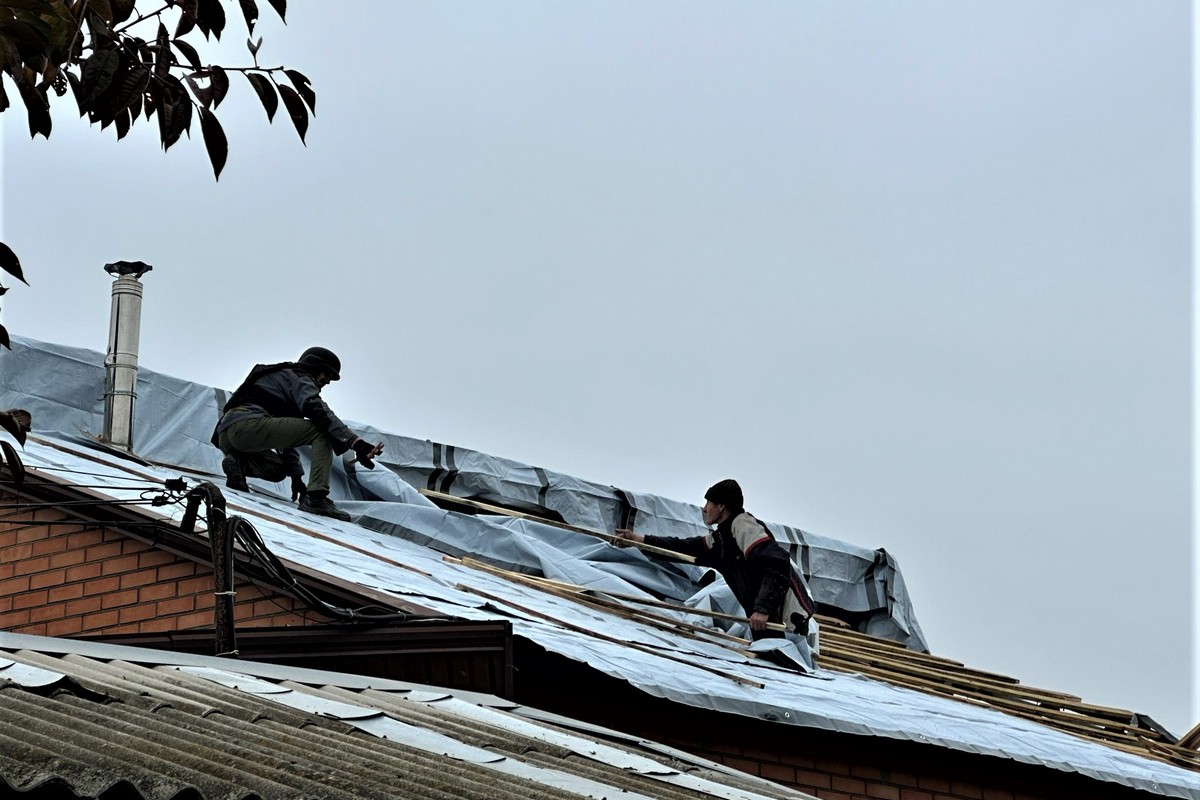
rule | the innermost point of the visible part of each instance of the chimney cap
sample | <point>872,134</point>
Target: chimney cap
<point>122,268</point>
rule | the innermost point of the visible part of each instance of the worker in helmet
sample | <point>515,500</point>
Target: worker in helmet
<point>278,408</point>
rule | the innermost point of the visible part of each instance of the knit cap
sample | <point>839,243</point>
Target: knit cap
<point>725,493</point>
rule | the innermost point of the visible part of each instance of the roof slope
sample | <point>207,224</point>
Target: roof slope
<point>161,725</point>
<point>687,664</point>
<point>405,549</point>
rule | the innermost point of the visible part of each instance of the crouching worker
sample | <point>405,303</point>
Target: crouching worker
<point>755,566</point>
<point>278,408</point>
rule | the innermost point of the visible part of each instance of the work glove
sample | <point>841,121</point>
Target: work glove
<point>299,489</point>
<point>366,451</point>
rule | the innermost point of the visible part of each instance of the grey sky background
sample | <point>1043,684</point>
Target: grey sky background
<point>917,274</point>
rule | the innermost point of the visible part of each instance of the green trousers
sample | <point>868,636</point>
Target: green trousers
<point>255,441</point>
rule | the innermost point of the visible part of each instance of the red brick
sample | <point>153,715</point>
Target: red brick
<point>866,771</point>
<point>128,597</point>
<point>103,585</point>
<point>179,605</point>
<point>17,552</point>
<point>32,565</point>
<point>81,540</point>
<point>883,792</point>
<point>82,572</point>
<point>131,545</point>
<point>15,585</point>
<point>815,780</point>
<point>100,620</point>
<point>833,766</point>
<point>43,580</point>
<point>120,565</point>
<point>44,547</point>
<point>915,794</point>
<point>7,571</point>
<point>933,784</point>
<point>835,796</point>
<point>206,600</point>
<point>196,585</point>
<point>996,794</point>
<point>180,569</point>
<point>12,619</point>
<point>970,791</point>
<point>48,612</point>
<point>851,785</point>
<point>197,619</point>
<point>156,558</point>
<point>130,628</point>
<point>779,773</point>
<point>156,591</point>
<point>136,613</point>
<point>84,605</point>
<point>100,552</point>
<point>131,579</point>
<point>6,603</point>
<point>69,591</point>
<point>66,558</point>
<point>64,627</point>
<point>34,533</point>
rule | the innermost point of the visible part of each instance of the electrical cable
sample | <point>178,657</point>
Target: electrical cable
<point>256,549</point>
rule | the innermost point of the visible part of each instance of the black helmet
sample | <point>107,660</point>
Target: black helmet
<point>318,359</point>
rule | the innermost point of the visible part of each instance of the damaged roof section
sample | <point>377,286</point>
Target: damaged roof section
<point>101,718</point>
<point>176,417</point>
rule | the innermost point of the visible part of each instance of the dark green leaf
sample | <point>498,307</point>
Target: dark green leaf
<point>98,73</point>
<point>122,10</point>
<point>280,7</point>
<point>3,290</point>
<point>123,121</point>
<point>18,422</point>
<point>220,84</point>
<point>189,52</point>
<point>250,12</point>
<point>187,18</point>
<point>203,93</point>
<point>4,337</point>
<point>10,263</point>
<point>266,93</point>
<point>254,47</point>
<point>38,107</point>
<point>77,90</point>
<point>162,55</point>
<point>296,109</point>
<point>210,17</point>
<point>3,96</point>
<point>214,141</point>
<point>133,83</point>
<point>303,88</point>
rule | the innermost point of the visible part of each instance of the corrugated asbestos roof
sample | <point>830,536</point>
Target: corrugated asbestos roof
<point>875,688</point>
<point>161,725</point>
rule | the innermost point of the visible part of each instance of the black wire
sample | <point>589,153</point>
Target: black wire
<point>258,551</point>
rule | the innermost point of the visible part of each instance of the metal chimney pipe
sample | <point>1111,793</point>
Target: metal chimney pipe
<point>121,361</point>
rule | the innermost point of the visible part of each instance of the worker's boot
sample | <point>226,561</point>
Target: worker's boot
<point>235,473</point>
<point>319,503</point>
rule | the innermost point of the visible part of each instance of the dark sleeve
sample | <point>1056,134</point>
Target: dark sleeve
<point>306,396</point>
<point>776,569</point>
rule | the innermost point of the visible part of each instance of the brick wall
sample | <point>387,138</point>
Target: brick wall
<point>58,578</point>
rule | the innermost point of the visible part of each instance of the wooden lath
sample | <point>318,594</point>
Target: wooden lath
<point>846,650</point>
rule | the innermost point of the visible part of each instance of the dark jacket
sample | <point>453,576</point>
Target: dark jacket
<point>284,390</point>
<point>757,569</point>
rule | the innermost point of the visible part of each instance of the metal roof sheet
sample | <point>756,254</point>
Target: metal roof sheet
<point>216,728</point>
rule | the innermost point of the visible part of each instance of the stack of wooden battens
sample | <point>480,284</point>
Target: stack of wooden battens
<point>846,650</point>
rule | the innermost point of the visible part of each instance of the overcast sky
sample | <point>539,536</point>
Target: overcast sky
<point>916,274</point>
